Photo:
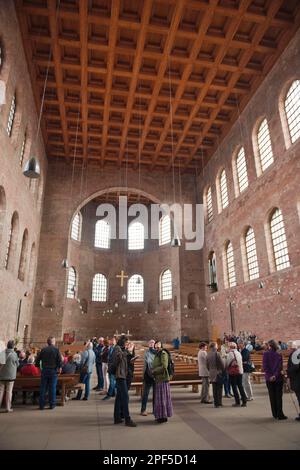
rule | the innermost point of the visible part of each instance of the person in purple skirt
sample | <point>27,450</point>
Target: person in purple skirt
<point>163,408</point>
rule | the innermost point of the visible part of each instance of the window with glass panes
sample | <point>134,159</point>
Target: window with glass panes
<point>209,206</point>
<point>164,230</point>
<point>166,285</point>
<point>102,234</point>
<point>223,190</point>
<point>99,293</point>
<point>22,150</point>
<point>76,227</point>
<point>71,289</point>
<point>11,116</point>
<point>264,146</point>
<point>136,236</point>
<point>252,262</point>
<point>241,169</point>
<point>135,289</point>
<point>292,109</point>
<point>230,266</point>
<point>280,248</point>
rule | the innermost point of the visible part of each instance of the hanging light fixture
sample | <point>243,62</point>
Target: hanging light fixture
<point>175,242</point>
<point>32,169</point>
<point>138,281</point>
<point>65,264</point>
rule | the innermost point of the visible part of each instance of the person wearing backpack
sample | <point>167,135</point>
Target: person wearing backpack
<point>163,408</point>
<point>8,372</point>
<point>234,365</point>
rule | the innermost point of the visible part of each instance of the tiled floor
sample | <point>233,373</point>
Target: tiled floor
<point>89,425</point>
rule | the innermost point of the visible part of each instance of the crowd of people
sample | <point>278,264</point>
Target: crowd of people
<point>228,366</point>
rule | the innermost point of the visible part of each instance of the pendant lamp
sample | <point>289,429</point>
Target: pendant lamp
<point>65,264</point>
<point>32,169</point>
<point>175,242</point>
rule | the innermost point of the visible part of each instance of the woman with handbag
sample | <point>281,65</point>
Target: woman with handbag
<point>216,371</point>
<point>234,365</point>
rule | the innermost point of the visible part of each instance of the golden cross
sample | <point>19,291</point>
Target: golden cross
<point>122,276</point>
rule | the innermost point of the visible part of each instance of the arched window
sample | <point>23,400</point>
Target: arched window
<point>102,234</point>
<point>2,211</point>
<point>32,266</point>
<point>12,243</point>
<point>11,116</point>
<point>71,288</point>
<point>209,206</point>
<point>165,230</point>
<point>166,285</point>
<point>135,288</point>
<point>212,271</point>
<point>292,110</point>
<point>264,146</point>
<point>99,293</point>
<point>231,277</point>
<point>23,256</point>
<point>280,248</point>
<point>136,236</point>
<point>241,170</point>
<point>76,227</point>
<point>1,56</point>
<point>22,153</point>
<point>251,255</point>
<point>223,190</point>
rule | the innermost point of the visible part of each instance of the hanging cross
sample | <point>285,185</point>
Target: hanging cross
<point>122,276</point>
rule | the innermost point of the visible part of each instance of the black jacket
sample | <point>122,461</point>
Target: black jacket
<point>293,372</point>
<point>50,358</point>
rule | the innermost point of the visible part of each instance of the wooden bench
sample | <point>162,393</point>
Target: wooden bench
<point>65,383</point>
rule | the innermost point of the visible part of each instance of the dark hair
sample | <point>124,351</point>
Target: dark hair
<point>158,341</point>
<point>10,344</point>
<point>122,340</point>
<point>273,345</point>
<point>49,340</point>
<point>202,345</point>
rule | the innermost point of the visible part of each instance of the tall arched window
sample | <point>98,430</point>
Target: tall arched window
<point>23,256</point>
<point>251,255</point>
<point>136,236</point>
<point>11,116</point>
<point>166,285</point>
<point>231,277</point>
<point>1,56</point>
<point>99,293</point>
<point>223,190</point>
<point>212,271</point>
<point>32,266</point>
<point>292,110</point>
<point>264,146</point>
<point>165,230</point>
<point>12,243</point>
<point>241,170</point>
<point>280,248</point>
<point>102,234</point>
<point>2,211</point>
<point>76,227</point>
<point>135,288</point>
<point>71,288</point>
<point>22,153</point>
<point>209,206</point>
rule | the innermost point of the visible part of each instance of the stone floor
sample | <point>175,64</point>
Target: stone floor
<point>89,425</point>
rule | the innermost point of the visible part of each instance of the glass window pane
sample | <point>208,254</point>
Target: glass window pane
<point>166,285</point>
<point>292,109</point>
<point>135,289</point>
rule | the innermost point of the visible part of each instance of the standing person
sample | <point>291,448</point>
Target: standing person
<point>234,365</point>
<point>203,373</point>
<point>163,408</point>
<point>86,369</point>
<point>98,350</point>
<point>247,368</point>
<point>112,379</point>
<point>293,372</point>
<point>104,360</point>
<point>8,373</point>
<point>273,368</point>
<point>50,358</point>
<point>120,365</point>
<point>131,357</point>
<point>215,367</point>
<point>148,378</point>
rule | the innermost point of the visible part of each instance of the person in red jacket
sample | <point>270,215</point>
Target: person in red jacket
<point>30,370</point>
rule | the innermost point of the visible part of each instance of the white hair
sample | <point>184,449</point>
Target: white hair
<point>232,345</point>
<point>89,345</point>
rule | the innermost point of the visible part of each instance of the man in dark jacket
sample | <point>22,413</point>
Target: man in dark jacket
<point>98,352</point>
<point>51,365</point>
<point>247,367</point>
<point>293,372</point>
<point>120,364</point>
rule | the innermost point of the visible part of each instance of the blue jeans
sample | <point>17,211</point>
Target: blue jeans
<point>99,375</point>
<point>48,382</point>
<point>227,385</point>
<point>121,401</point>
<point>147,386</point>
<point>112,385</point>
<point>85,379</point>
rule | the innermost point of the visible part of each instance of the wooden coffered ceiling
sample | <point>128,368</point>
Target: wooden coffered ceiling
<point>151,84</point>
